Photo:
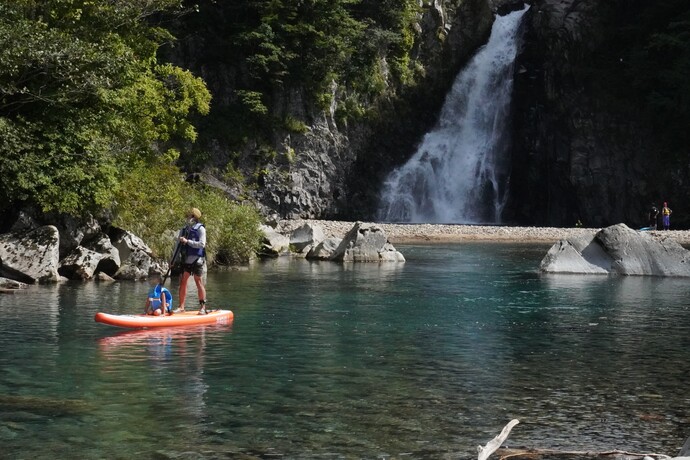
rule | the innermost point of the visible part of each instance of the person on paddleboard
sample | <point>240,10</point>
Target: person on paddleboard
<point>159,300</point>
<point>666,216</point>
<point>193,240</point>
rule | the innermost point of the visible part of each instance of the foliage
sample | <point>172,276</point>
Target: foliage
<point>82,96</point>
<point>287,55</point>
<point>152,203</point>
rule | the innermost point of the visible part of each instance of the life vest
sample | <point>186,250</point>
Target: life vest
<point>155,297</point>
<point>666,211</point>
<point>192,233</point>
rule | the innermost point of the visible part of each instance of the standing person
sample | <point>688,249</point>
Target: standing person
<point>652,216</point>
<point>193,240</point>
<point>159,300</point>
<point>666,216</point>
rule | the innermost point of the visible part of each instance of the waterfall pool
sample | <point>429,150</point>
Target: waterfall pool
<point>425,359</point>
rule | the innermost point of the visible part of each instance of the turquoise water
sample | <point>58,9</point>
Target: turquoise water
<point>426,359</point>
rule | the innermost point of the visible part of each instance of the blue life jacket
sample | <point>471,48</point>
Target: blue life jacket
<point>193,234</point>
<point>155,297</point>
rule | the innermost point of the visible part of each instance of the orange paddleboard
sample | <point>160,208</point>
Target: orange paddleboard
<point>188,318</point>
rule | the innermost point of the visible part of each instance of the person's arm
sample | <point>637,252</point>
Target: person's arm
<point>196,244</point>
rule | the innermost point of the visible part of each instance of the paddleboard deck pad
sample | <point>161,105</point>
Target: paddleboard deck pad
<point>188,318</point>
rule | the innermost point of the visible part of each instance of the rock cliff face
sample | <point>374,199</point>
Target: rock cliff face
<point>331,168</point>
<point>576,155</point>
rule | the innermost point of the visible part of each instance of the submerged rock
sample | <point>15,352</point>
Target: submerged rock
<point>618,250</point>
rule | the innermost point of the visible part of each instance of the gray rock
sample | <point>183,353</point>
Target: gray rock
<point>6,283</point>
<point>366,243</point>
<point>306,237</point>
<point>135,256</point>
<point>273,243</point>
<point>24,223</point>
<point>110,260</point>
<point>618,250</point>
<point>325,250</point>
<point>136,267</point>
<point>73,231</point>
<point>31,257</point>
<point>80,264</point>
<point>100,276</point>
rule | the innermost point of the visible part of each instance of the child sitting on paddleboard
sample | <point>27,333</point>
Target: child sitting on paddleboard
<point>159,300</point>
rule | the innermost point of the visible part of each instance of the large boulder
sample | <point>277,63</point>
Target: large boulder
<point>618,250</point>
<point>325,250</point>
<point>303,238</point>
<point>110,260</point>
<point>32,256</point>
<point>80,264</point>
<point>366,243</point>
<point>135,256</point>
<point>273,243</point>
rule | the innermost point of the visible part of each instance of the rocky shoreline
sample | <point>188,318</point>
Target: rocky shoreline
<point>441,233</point>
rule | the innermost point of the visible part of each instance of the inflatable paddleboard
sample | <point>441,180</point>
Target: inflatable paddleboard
<point>188,318</point>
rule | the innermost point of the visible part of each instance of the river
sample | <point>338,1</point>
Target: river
<point>425,359</point>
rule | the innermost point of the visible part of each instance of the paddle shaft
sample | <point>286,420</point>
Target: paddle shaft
<point>177,250</point>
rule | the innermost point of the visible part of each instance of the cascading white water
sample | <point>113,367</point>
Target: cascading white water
<point>460,171</point>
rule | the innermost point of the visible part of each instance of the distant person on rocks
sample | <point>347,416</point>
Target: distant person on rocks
<point>666,216</point>
<point>652,216</point>
<point>159,300</point>
<point>193,240</point>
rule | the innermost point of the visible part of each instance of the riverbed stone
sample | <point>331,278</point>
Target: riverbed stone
<point>31,257</point>
<point>366,243</point>
<point>618,250</point>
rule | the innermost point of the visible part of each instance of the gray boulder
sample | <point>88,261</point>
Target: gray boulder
<point>303,238</point>
<point>273,243</point>
<point>110,256</point>
<point>135,256</point>
<point>80,264</point>
<point>32,256</point>
<point>325,250</point>
<point>6,283</point>
<point>73,231</point>
<point>366,243</point>
<point>618,250</point>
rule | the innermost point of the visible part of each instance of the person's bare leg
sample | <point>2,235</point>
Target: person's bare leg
<point>183,289</point>
<point>201,289</point>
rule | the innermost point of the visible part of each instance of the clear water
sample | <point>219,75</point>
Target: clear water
<point>426,359</point>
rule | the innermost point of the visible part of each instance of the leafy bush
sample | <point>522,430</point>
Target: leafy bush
<point>154,199</point>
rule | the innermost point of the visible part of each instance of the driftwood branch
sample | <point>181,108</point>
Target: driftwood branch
<point>534,454</point>
<point>495,443</point>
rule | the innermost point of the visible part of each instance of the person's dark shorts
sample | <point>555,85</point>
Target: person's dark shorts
<point>197,268</point>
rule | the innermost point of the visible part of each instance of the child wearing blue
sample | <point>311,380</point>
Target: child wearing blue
<point>159,300</point>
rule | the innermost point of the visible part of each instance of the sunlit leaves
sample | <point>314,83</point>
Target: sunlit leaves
<point>81,94</point>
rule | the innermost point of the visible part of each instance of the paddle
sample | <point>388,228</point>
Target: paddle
<point>177,250</point>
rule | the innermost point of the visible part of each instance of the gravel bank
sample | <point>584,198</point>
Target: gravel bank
<point>418,233</point>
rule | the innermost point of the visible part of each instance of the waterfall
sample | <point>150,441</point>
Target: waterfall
<point>461,169</point>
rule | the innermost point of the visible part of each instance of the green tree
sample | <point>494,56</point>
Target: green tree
<point>82,96</point>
